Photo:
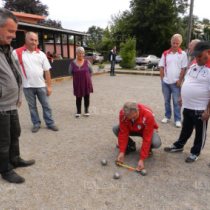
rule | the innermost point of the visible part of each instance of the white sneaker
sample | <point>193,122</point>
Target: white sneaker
<point>165,120</point>
<point>87,114</point>
<point>178,124</point>
<point>77,115</point>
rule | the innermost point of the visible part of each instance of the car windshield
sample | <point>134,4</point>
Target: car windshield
<point>144,56</point>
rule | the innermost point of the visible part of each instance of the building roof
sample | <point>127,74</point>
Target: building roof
<point>47,28</point>
<point>28,18</point>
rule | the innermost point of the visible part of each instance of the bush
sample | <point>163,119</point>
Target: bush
<point>128,53</point>
<point>101,66</point>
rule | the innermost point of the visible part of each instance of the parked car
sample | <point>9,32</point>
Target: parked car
<point>148,60</point>
<point>94,57</point>
<point>118,59</point>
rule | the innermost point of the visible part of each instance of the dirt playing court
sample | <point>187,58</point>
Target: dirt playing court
<point>68,174</point>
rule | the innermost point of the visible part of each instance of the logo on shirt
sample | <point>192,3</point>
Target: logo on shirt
<point>139,127</point>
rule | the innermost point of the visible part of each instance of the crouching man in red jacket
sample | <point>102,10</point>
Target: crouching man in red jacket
<point>136,120</point>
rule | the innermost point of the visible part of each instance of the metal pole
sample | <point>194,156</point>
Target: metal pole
<point>190,22</point>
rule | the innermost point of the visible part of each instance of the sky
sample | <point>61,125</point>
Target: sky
<point>81,14</point>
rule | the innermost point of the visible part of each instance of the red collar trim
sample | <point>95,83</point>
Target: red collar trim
<point>37,49</point>
<point>208,64</point>
<point>179,50</point>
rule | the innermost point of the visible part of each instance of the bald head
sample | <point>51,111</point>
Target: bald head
<point>31,41</point>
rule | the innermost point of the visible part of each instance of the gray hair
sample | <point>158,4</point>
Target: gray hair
<point>28,33</point>
<point>195,41</point>
<point>6,14</point>
<point>129,107</point>
<point>80,49</point>
<point>177,36</point>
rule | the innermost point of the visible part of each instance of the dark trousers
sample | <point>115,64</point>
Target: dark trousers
<point>79,103</point>
<point>112,68</point>
<point>192,119</point>
<point>9,139</point>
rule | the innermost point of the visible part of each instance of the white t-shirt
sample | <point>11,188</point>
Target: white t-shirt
<point>174,63</point>
<point>195,90</point>
<point>35,63</point>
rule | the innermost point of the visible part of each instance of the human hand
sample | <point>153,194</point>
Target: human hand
<point>205,115</point>
<point>140,165</point>
<point>178,83</point>
<point>121,157</point>
<point>49,90</point>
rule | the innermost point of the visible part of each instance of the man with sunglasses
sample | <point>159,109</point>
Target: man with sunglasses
<point>195,93</point>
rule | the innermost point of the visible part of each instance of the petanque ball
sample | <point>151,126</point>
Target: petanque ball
<point>116,175</point>
<point>104,162</point>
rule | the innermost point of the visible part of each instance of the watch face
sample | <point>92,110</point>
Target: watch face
<point>139,127</point>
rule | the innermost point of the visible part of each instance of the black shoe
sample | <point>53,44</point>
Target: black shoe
<point>53,128</point>
<point>23,163</point>
<point>131,146</point>
<point>173,149</point>
<point>35,129</point>
<point>12,177</point>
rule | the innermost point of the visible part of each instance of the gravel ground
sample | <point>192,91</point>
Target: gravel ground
<point>68,174</point>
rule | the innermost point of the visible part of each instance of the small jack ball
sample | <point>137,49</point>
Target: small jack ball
<point>116,176</point>
<point>143,172</point>
<point>104,162</point>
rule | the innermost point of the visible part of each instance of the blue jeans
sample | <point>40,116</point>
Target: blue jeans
<point>41,94</point>
<point>174,91</point>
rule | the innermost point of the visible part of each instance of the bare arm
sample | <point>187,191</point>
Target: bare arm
<point>181,77</point>
<point>48,81</point>
<point>161,73</point>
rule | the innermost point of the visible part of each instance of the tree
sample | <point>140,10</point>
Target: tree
<point>95,37</point>
<point>51,23</point>
<point>151,22</point>
<point>27,6</point>
<point>106,43</point>
<point>128,53</point>
<point>120,27</point>
<point>32,7</point>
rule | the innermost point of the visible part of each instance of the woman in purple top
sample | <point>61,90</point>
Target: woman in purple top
<point>81,71</point>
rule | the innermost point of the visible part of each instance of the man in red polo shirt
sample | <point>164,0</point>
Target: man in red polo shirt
<point>136,120</point>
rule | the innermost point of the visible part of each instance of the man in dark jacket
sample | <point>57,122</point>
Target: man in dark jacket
<point>112,59</point>
<point>10,100</point>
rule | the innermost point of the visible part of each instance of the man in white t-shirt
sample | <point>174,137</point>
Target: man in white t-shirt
<point>195,95</point>
<point>172,65</point>
<point>35,65</point>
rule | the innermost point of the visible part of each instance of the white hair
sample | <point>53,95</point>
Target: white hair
<point>80,49</point>
<point>177,36</point>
